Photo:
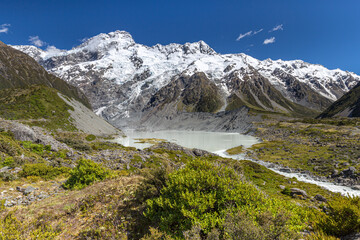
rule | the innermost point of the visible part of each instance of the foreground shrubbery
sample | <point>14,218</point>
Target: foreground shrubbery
<point>211,198</point>
<point>43,170</point>
<point>342,217</point>
<point>85,173</point>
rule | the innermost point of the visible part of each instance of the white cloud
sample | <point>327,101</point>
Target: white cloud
<point>248,34</point>
<point>35,40</point>
<point>242,35</point>
<point>269,40</point>
<point>277,28</point>
<point>4,28</point>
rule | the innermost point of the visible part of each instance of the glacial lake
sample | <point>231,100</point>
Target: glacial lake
<point>209,141</point>
<point>218,142</point>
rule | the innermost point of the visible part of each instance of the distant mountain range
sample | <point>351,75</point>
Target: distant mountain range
<point>129,82</point>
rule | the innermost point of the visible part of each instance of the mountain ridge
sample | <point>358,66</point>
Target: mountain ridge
<point>346,106</point>
<point>120,76</point>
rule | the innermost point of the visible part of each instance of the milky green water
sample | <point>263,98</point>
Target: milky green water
<point>209,141</point>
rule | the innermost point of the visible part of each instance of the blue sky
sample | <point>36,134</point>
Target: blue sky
<point>326,32</point>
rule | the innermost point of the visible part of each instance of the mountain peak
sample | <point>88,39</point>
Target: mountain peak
<point>118,38</point>
<point>198,47</point>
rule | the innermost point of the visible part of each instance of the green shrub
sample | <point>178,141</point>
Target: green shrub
<point>90,137</point>
<point>33,147</point>
<point>286,191</point>
<point>320,236</point>
<point>85,173</point>
<point>8,161</point>
<point>43,170</point>
<point>10,227</point>
<point>342,218</point>
<point>205,194</point>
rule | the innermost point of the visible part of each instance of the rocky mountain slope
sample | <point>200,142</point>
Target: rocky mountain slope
<point>347,106</point>
<point>122,78</point>
<point>30,94</point>
<point>17,70</point>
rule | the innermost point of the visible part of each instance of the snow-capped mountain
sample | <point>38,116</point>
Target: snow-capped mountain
<point>120,76</point>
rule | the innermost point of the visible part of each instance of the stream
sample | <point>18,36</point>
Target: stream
<point>218,142</point>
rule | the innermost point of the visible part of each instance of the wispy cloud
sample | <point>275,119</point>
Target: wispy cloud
<point>248,34</point>
<point>269,40</point>
<point>242,35</point>
<point>4,28</point>
<point>35,40</point>
<point>258,31</point>
<point>277,28</point>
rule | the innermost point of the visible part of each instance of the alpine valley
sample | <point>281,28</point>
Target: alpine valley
<point>66,173</point>
<point>183,86</point>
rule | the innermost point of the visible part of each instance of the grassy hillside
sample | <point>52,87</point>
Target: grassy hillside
<point>37,105</point>
<point>347,106</point>
<point>18,70</point>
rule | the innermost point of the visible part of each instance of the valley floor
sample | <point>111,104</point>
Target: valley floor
<point>81,186</point>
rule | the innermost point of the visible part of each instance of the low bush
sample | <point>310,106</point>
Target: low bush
<point>342,217</point>
<point>85,173</point>
<point>8,161</point>
<point>203,194</point>
<point>43,170</point>
<point>35,148</point>
<point>90,137</point>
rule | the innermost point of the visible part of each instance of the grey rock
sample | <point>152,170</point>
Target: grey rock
<point>356,187</point>
<point>9,203</point>
<point>42,196</point>
<point>320,198</point>
<point>297,191</point>
<point>24,133</point>
<point>286,170</point>
<point>5,169</point>
<point>28,190</point>
<point>281,187</point>
<point>349,172</point>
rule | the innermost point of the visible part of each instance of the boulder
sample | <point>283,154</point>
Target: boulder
<point>286,170</point>
<point>320,198</point>
<point>29,190</point>
<point>24,133</point>
<point>349,172</point>
<point>298,192</point>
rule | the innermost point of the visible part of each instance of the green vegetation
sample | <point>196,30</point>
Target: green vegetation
<point>334,222</point>
<point>43,170</point>
<point>36,148</point>
<point>90,137</point>
<point>36,105</point>
<point>350,100</point>
<point>21,71</point>
<point>320,148</point>
<point>205,195</point>
<point>85,173</point>
<point>235,150</point>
